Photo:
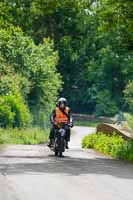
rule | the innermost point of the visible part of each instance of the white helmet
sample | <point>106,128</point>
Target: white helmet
<point>62,100</point>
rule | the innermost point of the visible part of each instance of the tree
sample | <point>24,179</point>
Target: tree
<point>94,43</point>
<point>29,70</point>
<point>129,95</point>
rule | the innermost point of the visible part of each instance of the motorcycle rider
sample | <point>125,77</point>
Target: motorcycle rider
<point>61,113</point>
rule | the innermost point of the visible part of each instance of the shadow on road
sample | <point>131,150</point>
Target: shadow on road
<point>71,166</point>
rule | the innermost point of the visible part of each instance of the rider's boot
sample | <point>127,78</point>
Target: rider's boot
<point>49,144</point>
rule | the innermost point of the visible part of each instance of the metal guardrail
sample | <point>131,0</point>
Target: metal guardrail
<point>84,117</point>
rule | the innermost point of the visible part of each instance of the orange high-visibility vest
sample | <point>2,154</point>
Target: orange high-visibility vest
<point>60,116</point>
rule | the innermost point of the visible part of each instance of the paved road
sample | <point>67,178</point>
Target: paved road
<point>32,173</point>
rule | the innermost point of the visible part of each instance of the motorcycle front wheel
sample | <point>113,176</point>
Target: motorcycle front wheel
<point>61,147</point>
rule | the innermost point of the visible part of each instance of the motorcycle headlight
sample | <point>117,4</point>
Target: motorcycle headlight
<point>62,132</point>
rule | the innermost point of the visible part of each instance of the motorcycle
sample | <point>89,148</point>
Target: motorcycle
<point>59,141</point>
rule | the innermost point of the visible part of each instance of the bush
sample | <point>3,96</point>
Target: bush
<point>113,145</point>
<point>23,136</point>
<point>14,112</point>
<point>29,69</point>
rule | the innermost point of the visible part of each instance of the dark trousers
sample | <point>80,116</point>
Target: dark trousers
<point>52,132</point>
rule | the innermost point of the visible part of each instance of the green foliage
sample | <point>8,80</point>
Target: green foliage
<point>29,70</point>
<point>23,136</point>
<point>105,104</point>
<point>129,119</point>
<point>86,123</point>
<point>95,53</point>
<point>113,145</point>
<point>11,83</point>
<point>14,112</point>
<point>6,114</point>
<point>100,58</point>
<point>129,95</point>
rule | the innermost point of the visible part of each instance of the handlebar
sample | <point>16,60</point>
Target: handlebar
<point>63,124</point>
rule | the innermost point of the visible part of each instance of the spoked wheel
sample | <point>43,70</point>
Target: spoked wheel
<point>61,147</point>
<point>56,147</point>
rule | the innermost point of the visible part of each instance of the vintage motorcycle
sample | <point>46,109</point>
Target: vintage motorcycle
<point>59,142</point>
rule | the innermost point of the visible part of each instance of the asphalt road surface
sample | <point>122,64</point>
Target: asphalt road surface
<point>33,173</point>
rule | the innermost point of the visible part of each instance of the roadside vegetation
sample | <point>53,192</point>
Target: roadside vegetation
<point>113,145</point>
<point>129,119</point>
<point>23,136</point>
<point>86,123</point>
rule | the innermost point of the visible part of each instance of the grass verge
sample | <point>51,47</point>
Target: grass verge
<point>113,145</point>
<point>86,123</point>
<point>23,136</point>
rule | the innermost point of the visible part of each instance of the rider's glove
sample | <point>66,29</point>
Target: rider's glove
<point>71,124</point>
<point>55,124</point>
